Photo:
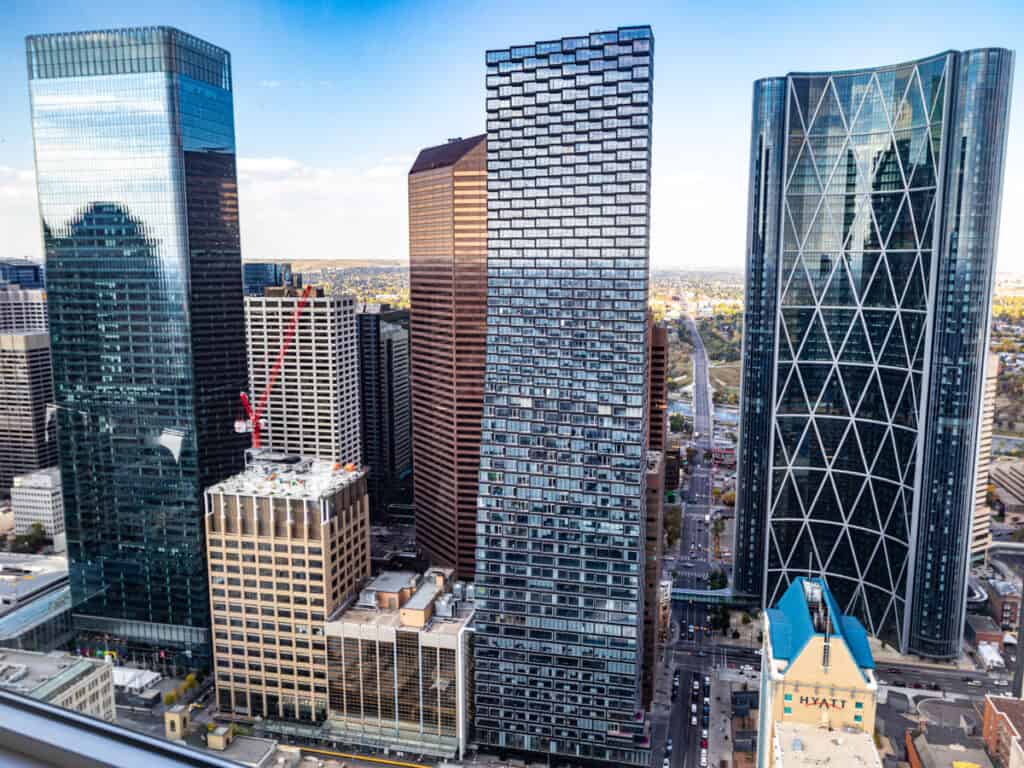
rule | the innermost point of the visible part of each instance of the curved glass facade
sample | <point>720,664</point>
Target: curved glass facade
<point>135,165</point>
<point>878,314</point>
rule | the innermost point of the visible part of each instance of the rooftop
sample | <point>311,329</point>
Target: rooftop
<point>445,154</point>
<point>808,609</point>
<point>33,613</point>
<point>982,623</point>
<point>48,478</point>
<point>23,577</point>
<point>249,750</point>
<point>281,475</point>
<point>1003,588</point>
<point>41,675</point>
<point>1012,708</point>
<point>808,746</point>
<point>944,747</point>
<point>392,581</point>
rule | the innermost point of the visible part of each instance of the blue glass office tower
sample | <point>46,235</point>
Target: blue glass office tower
<point>561,510</point>
<point>135,165</point>
<point>24,273</point>
<point>259,275</point>
<point>874,207</point>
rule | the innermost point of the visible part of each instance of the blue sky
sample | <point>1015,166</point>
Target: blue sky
<point>334,99</point>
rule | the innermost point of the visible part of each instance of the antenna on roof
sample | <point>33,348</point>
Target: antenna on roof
<point>454,139</point>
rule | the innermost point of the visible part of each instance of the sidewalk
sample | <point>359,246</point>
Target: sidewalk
<point>890,655</point>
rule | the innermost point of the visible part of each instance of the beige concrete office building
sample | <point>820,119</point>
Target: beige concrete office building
<point>72,682</point>
<point>313,408</point>
<point>28,440</point>
<point>400,665</point>
<point>981,525</point>
<point>22,309</point>
<point>816,669</point>
<point>288,544</point>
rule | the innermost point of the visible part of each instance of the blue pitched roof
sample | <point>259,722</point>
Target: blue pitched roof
<point>790,626</point>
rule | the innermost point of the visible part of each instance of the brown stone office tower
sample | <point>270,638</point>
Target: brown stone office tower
<point>448,333</point>
<point>657,397</point>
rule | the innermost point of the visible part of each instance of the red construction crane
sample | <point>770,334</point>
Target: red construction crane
<point>254,423</point>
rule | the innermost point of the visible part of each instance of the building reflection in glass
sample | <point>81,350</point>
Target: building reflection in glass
<point>135,166</point>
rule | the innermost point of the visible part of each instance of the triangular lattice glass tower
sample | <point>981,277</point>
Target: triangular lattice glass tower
<point>856,338</point>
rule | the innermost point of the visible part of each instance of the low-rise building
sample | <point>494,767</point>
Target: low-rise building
<point>1008,478</point>
<point>25,578</point>
<point>399,665</point>
<point>83,685</point>
<point>945,747</point>
<point>816,668</point>
<point>288,544</point>
<point>1003,603</point>
<point>798,745</point>
<point>1002,730</point>
<point>38,498</point>
<point>980,629</point>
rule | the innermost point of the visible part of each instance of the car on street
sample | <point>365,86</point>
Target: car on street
<point>894,670</point>
<point>666,763</point>
<point>668,746</point>
<point>975,683</point>
<point>693,719</point>
<point>1002,683</point>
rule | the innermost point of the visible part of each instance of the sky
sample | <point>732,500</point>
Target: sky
<point>334,99</point>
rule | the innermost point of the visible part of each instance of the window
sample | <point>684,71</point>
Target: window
<point>787,710</point>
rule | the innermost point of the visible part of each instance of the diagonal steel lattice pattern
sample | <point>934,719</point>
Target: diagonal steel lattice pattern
<point>856,249</point>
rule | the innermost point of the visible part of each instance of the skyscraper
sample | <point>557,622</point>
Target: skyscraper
<point>313,407</point>
<point>258,275</point>
<point>657,428</point>
<point>448,292</point>
<point>28,440</point>
<point>384,399</point>
<point>22,272</point>
<point>874,206</point>
<point>135,165</point>
<point>563,457</point>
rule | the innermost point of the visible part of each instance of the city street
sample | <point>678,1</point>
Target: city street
<point>691,652</point>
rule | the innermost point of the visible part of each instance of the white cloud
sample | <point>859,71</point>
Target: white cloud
<point>19,213</point>
<point>290,210</point>
<point>270,83</point>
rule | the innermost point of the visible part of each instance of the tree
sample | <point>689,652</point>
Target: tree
<point>30,542</point>
<point>728,498</point>
<point>675,422</point>
<point>673,527</point>
<point>717,580</point>
<point>170,699</point>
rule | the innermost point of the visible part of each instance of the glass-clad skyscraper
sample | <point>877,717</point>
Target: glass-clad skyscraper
<point>135,166</point>
<point>874,207</point>
<point>561,510</point>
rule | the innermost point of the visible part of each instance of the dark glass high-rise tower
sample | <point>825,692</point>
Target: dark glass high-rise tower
<point>561,510</point>
<point>874,209</point>
<point>135,165</point>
